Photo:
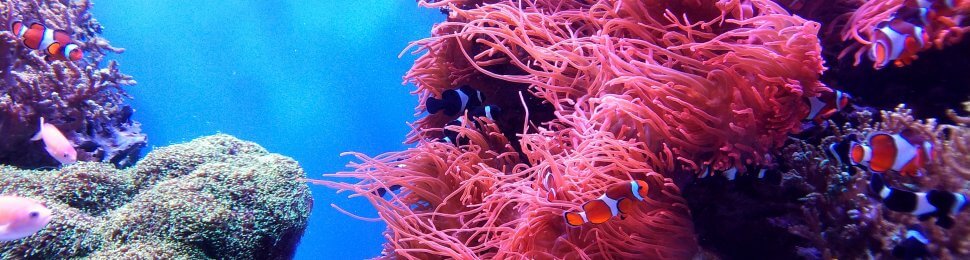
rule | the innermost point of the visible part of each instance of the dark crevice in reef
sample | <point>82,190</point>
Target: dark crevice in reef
<point>733,219</point>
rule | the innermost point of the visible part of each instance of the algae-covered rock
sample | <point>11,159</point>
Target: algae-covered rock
<point>150,249</point>
<point>214,197</point>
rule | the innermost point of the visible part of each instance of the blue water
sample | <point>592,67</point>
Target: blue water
<point>307,79</point>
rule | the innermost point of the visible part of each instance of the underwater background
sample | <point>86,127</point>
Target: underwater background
<point>480,129</point>
<point>308,79</point>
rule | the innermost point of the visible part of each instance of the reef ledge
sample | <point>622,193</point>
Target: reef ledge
<point>214,197</point>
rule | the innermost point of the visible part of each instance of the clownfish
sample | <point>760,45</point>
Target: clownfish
<point>55,143</point>
<point>730,173</point>
<point>924,205</point>
<point>616,200</point>
<point>915,14</point>
<point>840,150</point>
<point>381,191</point>
<point>769,174</point>
<point>57,44</point>
<point>21,217</point>
<point>452,136</point>
<point>895,152</point>
<point>455,101</point>
<point>489,111</point>
<point>896,40</point>
<point>826,104</point>
<point>913,245</point>
<point>550,184</point>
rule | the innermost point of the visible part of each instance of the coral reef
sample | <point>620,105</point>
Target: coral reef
<point>593,93</point>
<point>824,210</point>
<point>85,99</point>
<point>215,197</point>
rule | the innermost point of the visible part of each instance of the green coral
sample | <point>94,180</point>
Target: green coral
<point>215,197</point>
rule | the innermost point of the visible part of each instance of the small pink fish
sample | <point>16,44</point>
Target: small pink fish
<point>55,143</point>
<point>21,217</point>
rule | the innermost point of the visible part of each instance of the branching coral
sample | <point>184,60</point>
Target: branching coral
<point>824,209</point>
<point>947,172</point>
<point>83,99</point>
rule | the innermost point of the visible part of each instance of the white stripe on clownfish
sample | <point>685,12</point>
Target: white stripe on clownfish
<point>464,100</point>
<point>69,48</point>
<point>826,104</point>
<point>905,152</point>
<point>923,205</point>
<point>866,154</point>
<point>488,110</point>
<point>896,42</point>
<point>547,184</point>
<point>917,235</point>
<point>22,31</point>
<point>731,173</point>
<point>47,40</point>
<point>961,201</point>
<point>635,189</point>
<point>612,203</point>
<point>919,31</point>
<point>815,106</point>
<point>924,15</point>
<point>707,172</point>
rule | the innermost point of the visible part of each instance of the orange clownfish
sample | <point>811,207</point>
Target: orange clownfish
<point>826,104</point>
<point>616,200</point>
<point>896,40</point>
<point>895,152</point>
<point>57,44</point>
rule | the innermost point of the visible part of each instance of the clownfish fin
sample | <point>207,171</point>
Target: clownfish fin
<point>15,25</point>
<point>574,219</point>
<point>40,130</point>
<point>37,25</point>
<point>53,49</point>
<point>62,37</point>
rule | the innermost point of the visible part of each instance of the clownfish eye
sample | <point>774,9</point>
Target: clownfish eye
<point>34,214</point>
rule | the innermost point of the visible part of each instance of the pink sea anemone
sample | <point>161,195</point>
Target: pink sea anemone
<point>644,90</point>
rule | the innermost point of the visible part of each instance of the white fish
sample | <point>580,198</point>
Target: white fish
<point>55,143</point>
<point>21,217</point>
